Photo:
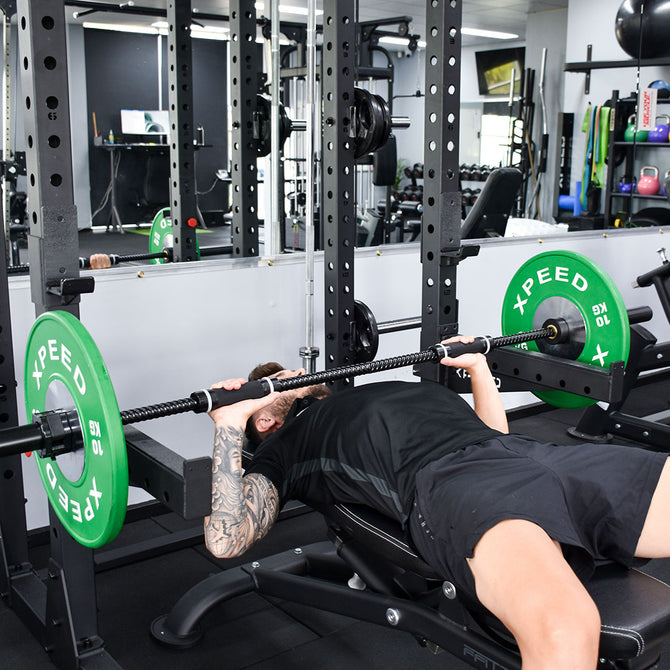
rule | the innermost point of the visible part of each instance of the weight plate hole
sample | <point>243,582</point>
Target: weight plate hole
<point>562,383</point>
<point>516,372</point>
<point>8,474</point>
<point>538,377</point>
<point>587,390</point>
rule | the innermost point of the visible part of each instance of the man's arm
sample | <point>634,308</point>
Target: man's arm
<point>488,403</point>
<point>244,508</point>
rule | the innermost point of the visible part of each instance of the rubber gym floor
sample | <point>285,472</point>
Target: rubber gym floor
<point>252,632</point>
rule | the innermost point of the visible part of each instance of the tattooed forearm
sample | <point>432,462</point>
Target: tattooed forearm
<point>243,508</point>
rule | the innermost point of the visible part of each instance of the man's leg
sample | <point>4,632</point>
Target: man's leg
<point>654,539</point>
<point>522,578</point>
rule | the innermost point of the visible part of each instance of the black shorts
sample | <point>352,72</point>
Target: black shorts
<point>593,499</point>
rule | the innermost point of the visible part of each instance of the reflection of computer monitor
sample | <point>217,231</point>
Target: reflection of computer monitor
<point>142,122</point>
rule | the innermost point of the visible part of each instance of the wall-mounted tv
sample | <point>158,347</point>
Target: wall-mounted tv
<point>494,70</point>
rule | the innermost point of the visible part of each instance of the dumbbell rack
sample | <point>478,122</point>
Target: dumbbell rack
<point>471,177</point>
<point>407,205</point>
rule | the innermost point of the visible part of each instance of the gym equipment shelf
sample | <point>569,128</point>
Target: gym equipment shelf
<point>588,65</point>
<point>626,158</point>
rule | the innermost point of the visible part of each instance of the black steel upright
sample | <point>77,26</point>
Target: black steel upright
<point>53,247</point>
<point>337,201</point>
<point>183,198</point>
<point>61,612</point>
<point>245,68</point>
<point>440,232</point>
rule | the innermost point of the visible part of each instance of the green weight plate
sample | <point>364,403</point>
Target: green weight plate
<point>565,284</point>
<point>61,353</point>
<point>161,237</point>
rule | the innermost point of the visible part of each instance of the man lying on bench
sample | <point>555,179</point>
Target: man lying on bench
<point>515,524</point>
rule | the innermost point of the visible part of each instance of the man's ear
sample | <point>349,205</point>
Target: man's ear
<point>265,423</point>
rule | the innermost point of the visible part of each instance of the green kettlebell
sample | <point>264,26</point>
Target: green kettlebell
<point>632,135</point>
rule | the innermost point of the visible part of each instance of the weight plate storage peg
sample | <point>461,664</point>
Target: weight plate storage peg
<point>161,238</point>
<point>570,286</point>
<point>61,354</point>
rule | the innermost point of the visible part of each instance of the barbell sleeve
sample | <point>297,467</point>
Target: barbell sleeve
<point>21,439</point>
<point>400,122</point>
<point>299,125</point>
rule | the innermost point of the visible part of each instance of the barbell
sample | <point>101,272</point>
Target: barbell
<point>70,397</point>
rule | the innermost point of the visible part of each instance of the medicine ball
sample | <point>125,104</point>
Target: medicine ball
<point>654,26</point>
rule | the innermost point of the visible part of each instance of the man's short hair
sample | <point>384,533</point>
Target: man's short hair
<point>265,370</point>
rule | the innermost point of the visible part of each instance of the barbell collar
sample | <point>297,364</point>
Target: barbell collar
<point>559,328</point>
<point>61,431</point>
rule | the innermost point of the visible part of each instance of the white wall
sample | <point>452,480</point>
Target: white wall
<point>169,330</point>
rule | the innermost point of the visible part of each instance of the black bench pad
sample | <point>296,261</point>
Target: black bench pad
<point>634,607</point>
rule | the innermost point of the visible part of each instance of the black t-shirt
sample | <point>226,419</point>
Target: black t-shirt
<point>366,444</point>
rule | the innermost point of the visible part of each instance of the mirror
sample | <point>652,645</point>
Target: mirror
<point>128,171</point>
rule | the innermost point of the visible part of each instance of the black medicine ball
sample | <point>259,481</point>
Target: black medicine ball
<point>653,25</point>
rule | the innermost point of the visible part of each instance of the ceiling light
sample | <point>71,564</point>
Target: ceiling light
<point>288,9</point>
<point>213,29</point>
<point>209,33</point>
<point>404,41</point>
<point>120,27</point>
<point>389,39</point>
<point>493,34</point>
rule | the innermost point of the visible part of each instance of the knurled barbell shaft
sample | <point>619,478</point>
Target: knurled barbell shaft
<point>38,435</point>
<point>208,399</point>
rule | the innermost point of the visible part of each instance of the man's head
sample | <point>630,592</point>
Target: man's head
<point>271,418</point>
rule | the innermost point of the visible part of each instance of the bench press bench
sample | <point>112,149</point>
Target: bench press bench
<point>393,587</point>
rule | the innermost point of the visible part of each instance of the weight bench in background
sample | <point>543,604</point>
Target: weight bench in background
<point>403,592</point>
<point>488,216</point>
